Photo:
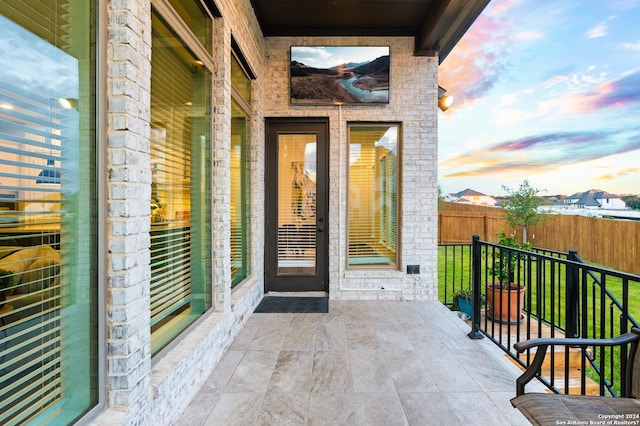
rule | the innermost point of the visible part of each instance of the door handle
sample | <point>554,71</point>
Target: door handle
<point>320,229</point>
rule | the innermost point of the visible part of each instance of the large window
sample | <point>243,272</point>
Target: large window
<point>48,211</point>
<point>180,190</point>
<point>373,194</point>
<point>240,173</point>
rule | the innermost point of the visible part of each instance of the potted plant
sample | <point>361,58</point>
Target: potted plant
<point>462,301</point>
<point>520,210</point>
<point>6,281</point>
<point>504,296</point>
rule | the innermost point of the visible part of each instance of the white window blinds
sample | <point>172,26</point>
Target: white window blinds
<point>240,174</point>
<point>180,158</point>
<point>297,187</point>
<point>33,124</point>
<point>171,180</point>
<point>47,207</point>
<point>373,195</point>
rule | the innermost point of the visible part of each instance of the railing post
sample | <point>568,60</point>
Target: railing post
<point>476,260</point>
<point>572,295</point>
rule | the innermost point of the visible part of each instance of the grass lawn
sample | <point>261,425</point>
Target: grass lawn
<point>454,273</point>
<point>546,287</point>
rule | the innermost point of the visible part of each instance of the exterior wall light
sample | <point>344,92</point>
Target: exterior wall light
<point>444,101</point>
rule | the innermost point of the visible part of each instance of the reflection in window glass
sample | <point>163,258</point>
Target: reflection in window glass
<point>297,193</point>
<point>240,190</point>
<point>239,81</point>
<point>240,174</point>
<point>195,17</point>
<point>373,195</point>
<point>48,238</point>
<point>180,214</point>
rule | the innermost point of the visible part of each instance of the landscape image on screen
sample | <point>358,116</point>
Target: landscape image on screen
<point>338,74</point>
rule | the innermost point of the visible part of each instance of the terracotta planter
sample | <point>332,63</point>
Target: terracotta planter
<point>504,302</point>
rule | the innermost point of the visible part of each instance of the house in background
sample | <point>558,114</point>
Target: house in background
<point>594,199</point>
<point>158,178</point>
<point>470,196</point>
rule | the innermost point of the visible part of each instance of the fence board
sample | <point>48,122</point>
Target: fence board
<point>612,243</point>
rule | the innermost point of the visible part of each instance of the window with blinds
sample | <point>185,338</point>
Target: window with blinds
<point>240,173</point>
<point>373,194</point>
<point>180,162</point>
<point>48,212</point>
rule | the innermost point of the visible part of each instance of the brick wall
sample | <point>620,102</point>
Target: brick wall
<point>413,103</point>
<point>142,392</point>
<point>128,197</point>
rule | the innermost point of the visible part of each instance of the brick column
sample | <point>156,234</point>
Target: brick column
<point>128,200</point>
<point>221,169</point>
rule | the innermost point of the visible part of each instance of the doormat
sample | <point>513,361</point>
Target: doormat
<point>293,305</point>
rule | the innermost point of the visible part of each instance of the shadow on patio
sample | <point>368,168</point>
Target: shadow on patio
<point>366,363</point>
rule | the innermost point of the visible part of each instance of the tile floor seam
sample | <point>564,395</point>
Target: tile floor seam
<point>355,404</point>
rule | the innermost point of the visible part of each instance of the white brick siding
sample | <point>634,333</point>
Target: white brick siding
<point>145,391</point>
<point>413,103</point>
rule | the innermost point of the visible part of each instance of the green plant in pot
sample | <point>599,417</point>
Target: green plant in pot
<point>520,210</point>
<point>504,296</point>
<point>505,260</point>
<point>6,281</point>
<point>462,301</point>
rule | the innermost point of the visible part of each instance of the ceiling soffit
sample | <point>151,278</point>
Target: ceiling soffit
<point>437,25</point>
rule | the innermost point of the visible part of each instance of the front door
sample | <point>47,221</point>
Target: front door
<point>296,234</point>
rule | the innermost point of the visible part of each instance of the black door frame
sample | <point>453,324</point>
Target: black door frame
<point>296,283</point>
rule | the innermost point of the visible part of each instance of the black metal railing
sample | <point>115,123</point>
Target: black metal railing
<point>454,271</point>
<point>519,295</point>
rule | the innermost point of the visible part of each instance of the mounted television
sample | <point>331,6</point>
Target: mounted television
<point>321,75</point>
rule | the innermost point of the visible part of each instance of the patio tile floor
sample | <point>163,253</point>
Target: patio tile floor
<point>363,363</point>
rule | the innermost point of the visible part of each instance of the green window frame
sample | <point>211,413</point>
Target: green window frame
<point>180,157</point>
<point>373,201</point>
<point>48,212</point>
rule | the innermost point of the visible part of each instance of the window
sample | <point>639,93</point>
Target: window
<point>180,190</point>
<point>240,173</point>
<point>373,194</point>
<point>48,211</point>
<point>197,20</point>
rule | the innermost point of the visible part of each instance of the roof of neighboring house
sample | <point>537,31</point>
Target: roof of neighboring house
<point>469,192</point>
<point>590,197</point>
<point>436,25</point>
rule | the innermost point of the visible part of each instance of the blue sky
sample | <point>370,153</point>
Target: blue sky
<point>330,56</point>
<point>547,91</point>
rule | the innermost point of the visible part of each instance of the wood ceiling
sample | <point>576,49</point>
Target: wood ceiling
<point>437,25</point>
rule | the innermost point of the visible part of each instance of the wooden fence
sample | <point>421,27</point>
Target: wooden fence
<point>608,242</point>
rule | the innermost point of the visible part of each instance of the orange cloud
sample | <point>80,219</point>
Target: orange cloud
<point>628,171</point>
<point>614,93</point>
<point>619,173</point>
<point>543,152</point>
<point>478,60</point>
<point>605,178</point>
<point>505,169</point>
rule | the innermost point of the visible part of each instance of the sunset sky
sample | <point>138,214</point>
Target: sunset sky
<point>547,91</point>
